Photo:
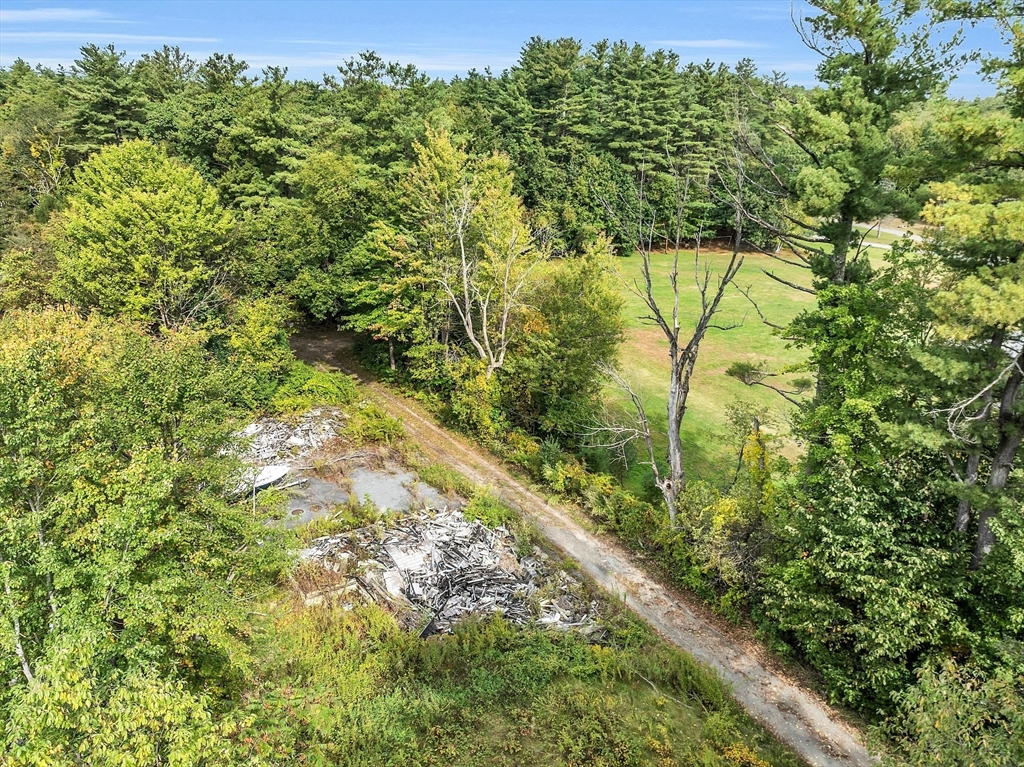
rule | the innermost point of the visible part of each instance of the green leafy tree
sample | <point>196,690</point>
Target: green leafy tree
<point>571,332</point>
<point>475,234</point>
<point>143,236</point>
<point>25,276</point>
<point>124,569</point>
<point>958,716</point>
<point>164,73</point>
<point>383,108</point>
<point>33,143</point>
<point>265,144</point>
<point>381,285</point>
<point>909,495</point>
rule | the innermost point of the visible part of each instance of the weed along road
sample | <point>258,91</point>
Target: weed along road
<point>797,717</point>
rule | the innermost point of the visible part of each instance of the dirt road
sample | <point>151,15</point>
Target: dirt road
<point>797,717</point>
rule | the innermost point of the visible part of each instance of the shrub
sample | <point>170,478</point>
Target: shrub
<point>958,716</point>
<point>345,517</point>
<point>305,387</point>
<point>494,512</point>
<point>446,480</point>
<point>490,510</point>
<point>370,423</point>
<point>473,400</point>
<point>259,352</point>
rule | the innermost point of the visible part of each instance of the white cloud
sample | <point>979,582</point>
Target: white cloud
<point>52,14</point>
<point>107,37</point>
<point>425,61</point>
<point>717,44</point>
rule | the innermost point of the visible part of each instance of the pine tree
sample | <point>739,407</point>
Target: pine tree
<point>107,107</point>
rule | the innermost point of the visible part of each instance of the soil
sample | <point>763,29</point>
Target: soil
<point>796,716</point>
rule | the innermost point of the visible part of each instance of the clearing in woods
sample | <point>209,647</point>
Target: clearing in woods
<point>797,717</point>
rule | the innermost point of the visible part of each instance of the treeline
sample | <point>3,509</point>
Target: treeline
<point>334,193</point>
<point>468,230</point>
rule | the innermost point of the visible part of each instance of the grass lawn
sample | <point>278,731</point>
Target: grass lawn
<point>875,237</point>
<point>710,450</point>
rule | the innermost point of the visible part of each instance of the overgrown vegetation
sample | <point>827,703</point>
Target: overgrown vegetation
<point>167,222</point>
<point>349,687</point>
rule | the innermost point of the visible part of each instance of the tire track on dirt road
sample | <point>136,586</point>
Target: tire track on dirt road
<point>795,716</point>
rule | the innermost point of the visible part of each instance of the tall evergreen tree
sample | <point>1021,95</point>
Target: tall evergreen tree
<point>107,106</point>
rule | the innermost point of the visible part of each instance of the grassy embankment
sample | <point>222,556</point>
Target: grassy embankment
<point>710,448</point>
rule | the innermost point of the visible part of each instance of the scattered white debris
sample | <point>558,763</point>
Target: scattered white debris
<point>271,441</point>
<point>273,448</point>
<point>438,568</point>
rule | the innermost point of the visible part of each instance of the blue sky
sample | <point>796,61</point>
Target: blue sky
<point>311,37</point>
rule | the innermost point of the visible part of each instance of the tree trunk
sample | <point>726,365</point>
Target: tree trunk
<point>19,649</point>
<point>963,509</point>
<point>391,353</point>
<point>1002,463</point>
<point>1011,432</point>
<point>676,480</point>
<point>840,249</point>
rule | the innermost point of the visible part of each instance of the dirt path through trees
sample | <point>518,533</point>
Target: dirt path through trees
<point>795,716</point>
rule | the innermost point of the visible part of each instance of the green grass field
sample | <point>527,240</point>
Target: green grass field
<point>710,450</point>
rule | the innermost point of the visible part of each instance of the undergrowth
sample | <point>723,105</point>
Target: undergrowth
<point>350,688</point>
<point>493,512</point>
<point>370,423</point>
<point>446,479</point>
<point>342,519</point>
<point>304,387</point>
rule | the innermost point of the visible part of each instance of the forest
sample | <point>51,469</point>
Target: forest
<point>565,263</point>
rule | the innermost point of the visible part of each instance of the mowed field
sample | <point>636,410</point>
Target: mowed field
<point>711,450</point>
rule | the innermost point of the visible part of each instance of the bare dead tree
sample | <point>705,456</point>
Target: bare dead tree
<point>683,343</point>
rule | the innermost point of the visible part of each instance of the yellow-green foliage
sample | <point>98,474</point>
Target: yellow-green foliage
<point>490,509</point>
<point>349,688</point>
<point>143,236</point>
<point>345,517</point>
<point>305,387</point>
<point>494,512</point>
<point>474,398</point>
<point>74,715</point>
<point>446,479</point>
<point>566,477</point>
<point>520,448</point>
<point>370,423</point>
<point>258,345</point>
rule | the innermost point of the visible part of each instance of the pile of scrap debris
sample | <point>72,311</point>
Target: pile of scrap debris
<point>273,448</point>
<point>271,441</point>
<point>435,568</point>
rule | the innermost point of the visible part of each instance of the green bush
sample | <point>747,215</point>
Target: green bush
<point>490,510</point>
<point>345,517</point>
<point>371,424</point>
<point>304,387</point>
<point>959,716</point>
<point>494,512</point>
<point>257,343</point>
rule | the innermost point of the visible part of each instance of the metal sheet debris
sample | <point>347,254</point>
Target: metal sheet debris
<point>271,441</point>
<point>272,449</point>
<point>436,568</point>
